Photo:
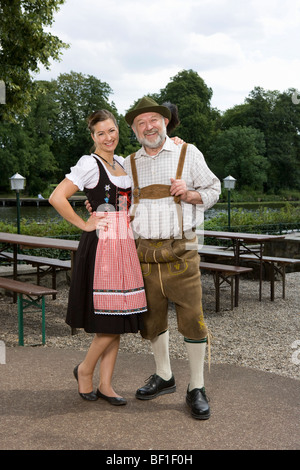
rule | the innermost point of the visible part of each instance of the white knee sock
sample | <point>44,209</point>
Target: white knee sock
<point>160,348</point>
<point>196,354</point>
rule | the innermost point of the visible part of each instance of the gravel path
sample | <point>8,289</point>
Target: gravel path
<point>261,335</point>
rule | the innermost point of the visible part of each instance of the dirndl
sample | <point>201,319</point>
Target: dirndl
<point>118,287</point>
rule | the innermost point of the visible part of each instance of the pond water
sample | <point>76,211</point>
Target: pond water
<point>45,212</point>
<point>48,213</point>
<point>32,213</point>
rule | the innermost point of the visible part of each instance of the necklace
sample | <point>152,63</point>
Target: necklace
<point>113,165</point>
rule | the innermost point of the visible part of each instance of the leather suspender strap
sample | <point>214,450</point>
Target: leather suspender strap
<point>155,191</point>
<point>180,168</point>
<point>181,161</point>
<point>136,188</point>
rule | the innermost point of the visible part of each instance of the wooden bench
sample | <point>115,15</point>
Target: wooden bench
<point>43,265</point>
<point>225,273</point>
<point>29,290</point>
<point>276,264</point>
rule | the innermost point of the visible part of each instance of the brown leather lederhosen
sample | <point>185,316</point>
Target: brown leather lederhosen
<point>170,271</point>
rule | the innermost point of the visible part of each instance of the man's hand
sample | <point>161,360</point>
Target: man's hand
<point>88,206</point>
<point>179,188</point>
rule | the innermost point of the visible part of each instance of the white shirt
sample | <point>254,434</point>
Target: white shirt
<point>158,218</point>
<point>85,174</point>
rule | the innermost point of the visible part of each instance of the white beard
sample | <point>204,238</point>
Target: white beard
<point>157,142</point>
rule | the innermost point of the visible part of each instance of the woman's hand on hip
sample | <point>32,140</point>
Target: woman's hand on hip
<point>97,222</point>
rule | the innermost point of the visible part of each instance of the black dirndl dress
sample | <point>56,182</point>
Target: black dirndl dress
<point>107,291</point>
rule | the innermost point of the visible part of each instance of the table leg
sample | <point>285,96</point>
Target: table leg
<point>260,270</point>
<point>283,281</point>
<point>237,288</point>
<point>237,280</point>
<point>217,287</point>
<point>272,281</point>
<point>20,320</point>
<point>43,321</point>
<point>15,269</point>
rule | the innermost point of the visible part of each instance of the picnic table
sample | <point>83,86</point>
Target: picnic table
<point>33,295</point>
<point>15,241</point>
<point>242,243</point>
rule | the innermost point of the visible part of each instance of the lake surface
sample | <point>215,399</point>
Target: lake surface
<point>44,213</point>
<point>48,213</point>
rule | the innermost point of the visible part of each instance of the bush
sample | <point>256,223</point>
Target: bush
<point>49,228</point>
<point>263,217</point>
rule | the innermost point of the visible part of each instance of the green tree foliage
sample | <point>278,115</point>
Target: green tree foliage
<point>76,96</point>
<point>283,143</point>
<point>238,151</point>
<point>278,118</point>
<point>192,96</point>
<point>44,145</point>
<point>24,45</point>
<point>256,142</point>
<point>26,148</point>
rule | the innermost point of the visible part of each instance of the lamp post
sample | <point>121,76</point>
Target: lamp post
<point>17,183</point>
<point>229,183</point>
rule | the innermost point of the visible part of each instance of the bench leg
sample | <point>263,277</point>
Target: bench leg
<point>21,307</point>
<point>217,288</point>
<point>53,281</point>
<point>20,320</point>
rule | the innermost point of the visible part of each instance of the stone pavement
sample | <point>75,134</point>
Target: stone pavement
<point>41,409</point>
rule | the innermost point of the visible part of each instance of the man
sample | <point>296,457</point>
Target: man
<point>171,189</point>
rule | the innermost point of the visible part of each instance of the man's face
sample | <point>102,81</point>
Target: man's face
<point>150,129</point>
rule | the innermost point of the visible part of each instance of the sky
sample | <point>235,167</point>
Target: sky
<point>138,46</point>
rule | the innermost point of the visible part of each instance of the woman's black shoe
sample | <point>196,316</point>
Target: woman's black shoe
<point>117,401</point>
<point>92,396</point>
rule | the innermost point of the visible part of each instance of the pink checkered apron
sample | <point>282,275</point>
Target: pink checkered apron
<point>118,287</point>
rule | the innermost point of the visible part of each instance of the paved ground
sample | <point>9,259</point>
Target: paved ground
<point>41,409</point>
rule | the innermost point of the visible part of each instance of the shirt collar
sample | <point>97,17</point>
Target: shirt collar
<point>166,147</point>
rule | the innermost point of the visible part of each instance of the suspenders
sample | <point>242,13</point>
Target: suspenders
<point>155,191</point>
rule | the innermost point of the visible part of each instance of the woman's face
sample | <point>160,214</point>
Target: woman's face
<point>105,136</point>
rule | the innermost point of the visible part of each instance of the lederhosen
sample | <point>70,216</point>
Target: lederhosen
<point>170,271</point>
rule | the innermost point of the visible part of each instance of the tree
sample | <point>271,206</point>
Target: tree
<point>192,96</point>
<point>54,135</point>
<point>239,152</point>
<point>9,140</point>
<point>24,45</point>
<point>76,96</point>
<point>26,148</point>
<point>283,144</point>
<point>278,118</point>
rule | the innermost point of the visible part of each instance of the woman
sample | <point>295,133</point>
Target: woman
<point>107,294</point>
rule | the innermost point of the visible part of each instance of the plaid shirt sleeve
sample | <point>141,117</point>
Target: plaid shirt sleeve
<point>202,178</point>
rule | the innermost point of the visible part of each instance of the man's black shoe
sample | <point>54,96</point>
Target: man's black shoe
<point>197,402</point>
<point>156,386</point>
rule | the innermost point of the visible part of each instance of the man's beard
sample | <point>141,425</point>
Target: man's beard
<point>157,142</point>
